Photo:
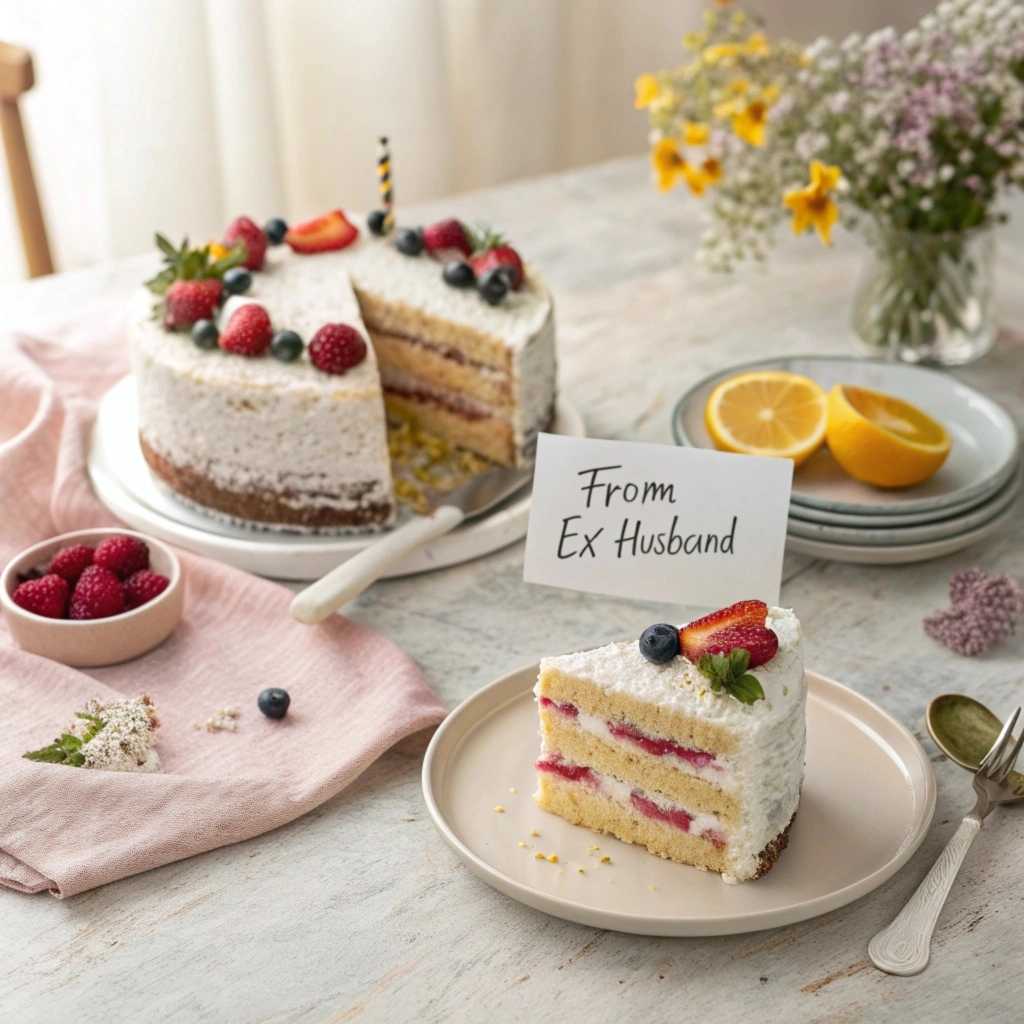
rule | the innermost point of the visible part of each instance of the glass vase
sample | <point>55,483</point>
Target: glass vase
<point>926,298</point>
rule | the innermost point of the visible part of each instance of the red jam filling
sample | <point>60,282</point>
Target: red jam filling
<point>653,745</point>
<point>573,772</point>
<point>678,818</point>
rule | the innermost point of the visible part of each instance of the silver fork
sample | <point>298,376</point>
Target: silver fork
<point>903,947</point>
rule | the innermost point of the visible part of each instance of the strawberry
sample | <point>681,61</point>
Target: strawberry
<point>447,240</point>
<point>694,636</point>
<point>122,555</point>
<point>69,562</point>
<point>185,302</point>
<point>143,586</point>
<point>336,348</point>
<point>322,234</point>
<point>46,596</point>
<point>98,594</point>
<point>248,332</point>
<point>499,255</point>
<point>251,235</point>
<point>758,640</point>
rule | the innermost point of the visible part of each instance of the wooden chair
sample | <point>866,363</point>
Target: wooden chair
<point>17,77</point>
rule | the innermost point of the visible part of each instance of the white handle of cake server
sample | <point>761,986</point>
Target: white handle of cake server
<point>351,578</point>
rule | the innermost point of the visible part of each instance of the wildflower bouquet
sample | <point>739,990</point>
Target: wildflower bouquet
<point>922,133</point>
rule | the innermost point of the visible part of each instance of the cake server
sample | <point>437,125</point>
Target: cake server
<point>351,578</point>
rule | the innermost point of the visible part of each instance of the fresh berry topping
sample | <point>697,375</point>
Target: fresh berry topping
<point>500,256</point>
<point>47,596</point>
<point>660,643</point>
<point>375,222</point>
<point>493,286</point>
<point>459,274</point>
<point>185,302</point>
<point>336,348</point>
<point>693,635</point>
<point>758,640</point>
<point>237,281</point>
<point>447,240</point>
<point>243,230</point>
<point>275,229</point>
<point>98,594</point>
<point>286,346</point>
<point>322,234</point>
<point>248,332</point>
<point>143,586</point>
<point>274,703</point>
<point>122,555</point>
<point>205,334</point>
<point>409,241</point>
<point>70,562</point>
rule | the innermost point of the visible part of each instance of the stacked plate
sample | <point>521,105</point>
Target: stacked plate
<point>831,515</point>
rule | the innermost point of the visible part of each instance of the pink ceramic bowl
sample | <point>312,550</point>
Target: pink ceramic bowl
<point>92,642</point>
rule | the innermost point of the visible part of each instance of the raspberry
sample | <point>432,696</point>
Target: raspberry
<point>98,594</point>
<point>69,562</point>
<point>143,586</point>
<point>47,596</point>
<point>122,555</point>
<point>248,332</point>
<point>336,348</point>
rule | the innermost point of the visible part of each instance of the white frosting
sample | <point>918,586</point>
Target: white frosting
<point>767,766</point>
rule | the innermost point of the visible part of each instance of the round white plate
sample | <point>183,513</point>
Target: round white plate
<point>863,554</point>
<point>868,799</point>
<point>985,445</point>
<point>885,536</point>
<point>124,483</point>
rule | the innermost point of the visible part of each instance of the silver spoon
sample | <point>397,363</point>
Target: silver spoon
<point>964,730</point>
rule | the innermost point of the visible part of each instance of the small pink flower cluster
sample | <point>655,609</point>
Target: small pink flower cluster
<point>984,609</point>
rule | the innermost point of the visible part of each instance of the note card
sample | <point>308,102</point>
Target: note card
<point>657,522</point>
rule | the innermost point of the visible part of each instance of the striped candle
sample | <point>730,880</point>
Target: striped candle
<point>384,183</point>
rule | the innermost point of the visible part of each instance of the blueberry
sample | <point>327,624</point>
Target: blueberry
<point>493,286</point>
<point>237,280</point>
<point>205,334</point>
<point>286,346</point>
<point>274,703</point>
<point>660,643</point>
<point>275,230</point>
<point>410,241</point>
<point>459,274</point>
<point>375,222</point>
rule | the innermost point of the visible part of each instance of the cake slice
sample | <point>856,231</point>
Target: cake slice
<point>682,756</point>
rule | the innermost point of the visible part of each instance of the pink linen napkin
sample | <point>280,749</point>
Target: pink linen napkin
<point>354,693</point>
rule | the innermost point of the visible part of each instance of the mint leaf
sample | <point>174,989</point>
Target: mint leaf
<point>70,743</point>
<point>726,671</point>
<point>746,689</point>
<point>53,754</point>
<point>739,659</point>
<point>166,247</point>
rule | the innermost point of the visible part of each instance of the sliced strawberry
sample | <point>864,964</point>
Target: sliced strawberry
<point>760,641</point>
<point>499,256</point>
<point>694,635</point>
<point>447,240</point>
<point>322,234</point>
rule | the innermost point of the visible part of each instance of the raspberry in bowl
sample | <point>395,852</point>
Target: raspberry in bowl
<point>93,597</point>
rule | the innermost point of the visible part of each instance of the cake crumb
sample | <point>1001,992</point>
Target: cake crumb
<point>534,832</point>
<point>702,692</point>
<point>522,844</point>
<point>511,789</point>
<point>593,847</point>
<point>499,809</point>
<point>581,871</point>
<point>553,858</point>
<point>606,860</point>
<point>653,887</point>
<point>222,720</point>
<point>539,856</point>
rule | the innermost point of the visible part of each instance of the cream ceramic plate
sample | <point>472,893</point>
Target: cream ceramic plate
<point>868,799</point>
<point>124,483</point>
<point>985,448</point>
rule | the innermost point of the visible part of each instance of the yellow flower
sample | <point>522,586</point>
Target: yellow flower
<point>695,134</point>
<point>738,85</point>
<point>668,163</point>
<point>712,169</point>
<point>812,205</point>
<point>749,123</point>
<point>721,51</point>
<point>757,46</point>
<point>727,108</point>
<point>646,91</point>
<point>699,178</point>
<point>218,251</point>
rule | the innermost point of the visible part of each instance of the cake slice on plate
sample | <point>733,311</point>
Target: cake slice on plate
<point>690,743</point>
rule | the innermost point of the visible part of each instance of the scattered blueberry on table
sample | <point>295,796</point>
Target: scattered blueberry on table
<point>274,702</point>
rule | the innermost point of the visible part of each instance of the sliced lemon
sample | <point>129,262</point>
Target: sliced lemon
<point>882,440</point>
<point>768,412</point>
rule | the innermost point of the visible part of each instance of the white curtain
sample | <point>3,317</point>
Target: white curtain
<point>180,114</point>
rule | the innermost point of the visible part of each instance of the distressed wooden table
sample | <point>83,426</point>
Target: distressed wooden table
<point>358,911</point>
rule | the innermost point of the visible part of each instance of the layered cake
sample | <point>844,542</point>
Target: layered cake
<point>265,371</point>
<point>676,745</point>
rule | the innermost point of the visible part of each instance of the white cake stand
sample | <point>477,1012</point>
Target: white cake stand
<point>124,484</point>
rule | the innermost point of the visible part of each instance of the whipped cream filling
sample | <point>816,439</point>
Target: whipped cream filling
<point>640,801</point>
